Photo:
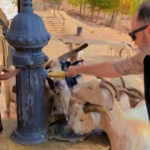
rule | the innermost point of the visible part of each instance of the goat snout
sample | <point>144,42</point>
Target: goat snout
<point>57,83</point>
<point>71,130</point>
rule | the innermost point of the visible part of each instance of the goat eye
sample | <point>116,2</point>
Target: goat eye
<point>81,119</point>
<point>90,88</point>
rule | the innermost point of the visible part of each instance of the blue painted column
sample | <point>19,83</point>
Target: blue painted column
<point>28,36</point>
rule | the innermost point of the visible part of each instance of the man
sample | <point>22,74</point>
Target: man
<point>137,64</point>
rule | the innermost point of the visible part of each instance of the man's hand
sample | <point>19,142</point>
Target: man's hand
<point>7,73</point>
<point>129,66</point>
<point>72,71</point>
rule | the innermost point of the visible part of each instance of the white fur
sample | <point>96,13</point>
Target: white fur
<point>127,51</point>
<point>128,130</point>
<point>116,46</point>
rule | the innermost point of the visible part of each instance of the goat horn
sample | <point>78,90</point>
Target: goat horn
<point>65,56</point>
<point>103,79</point>
<point>130,94</point>
<point>47,66</point>
<point>3,24</point>
<point>104,85</point>
<point>114,88</point>
<point>9,74</point>
<point>65,42</point>
<point>78,43</point>
<point>123,82</point>
<point>135,90</point>
<point>96,108</point>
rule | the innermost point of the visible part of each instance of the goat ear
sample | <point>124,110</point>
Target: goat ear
<point>47,66</point>
<point>96,118</point>
<point>51,84</point>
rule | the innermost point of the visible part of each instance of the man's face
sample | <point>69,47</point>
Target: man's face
<point>143,37</point>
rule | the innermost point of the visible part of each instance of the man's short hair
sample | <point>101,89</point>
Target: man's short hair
<point>144,13</point>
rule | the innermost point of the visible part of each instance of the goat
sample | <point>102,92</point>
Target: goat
<point>116,46</point>
<point>78,120</point>
<point>124,132</point>
<point>127,44</point>
<point>72,46</point>
<point>82,123</point>
<point>62,64</point>
<point>7,74</point>
<point>53,102</point>
<point>127,51</point>
<point>63,86</point>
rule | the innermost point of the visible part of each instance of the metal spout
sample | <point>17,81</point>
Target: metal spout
<point>61,74</point>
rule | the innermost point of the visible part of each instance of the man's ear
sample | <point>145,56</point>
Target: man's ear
<point>147,33</point>
<point>148,29</point>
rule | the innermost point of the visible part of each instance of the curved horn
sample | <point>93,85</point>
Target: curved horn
<point>8,73</point>
<point>103,79</point>
<point>114,88</point>
<point>136,90</point>
<point>2,23</point>
<point>65,56</point>
<point>78,43</point>
<point>130,94</point>
<point>64,42</point>
<point>47,66</point>
<point>123,82</point>
<point>96,108</point>
<point>5,27</point>
<point>106,86</point>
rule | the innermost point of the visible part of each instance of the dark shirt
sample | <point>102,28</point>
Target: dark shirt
<point>147,82</point>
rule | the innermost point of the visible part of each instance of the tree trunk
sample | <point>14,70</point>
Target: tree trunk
<point>104,15</point>
<point>81,9</point>
<point>120,22</point>
<point>98,15</point>
<point>84,10</point>
<point>92,13</point>
<point>114,19</point>
<point>59,4</point>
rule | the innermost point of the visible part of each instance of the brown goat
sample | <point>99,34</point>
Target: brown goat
<point>72,46</point>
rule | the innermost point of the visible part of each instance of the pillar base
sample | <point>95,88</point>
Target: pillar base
<point>30,138</point>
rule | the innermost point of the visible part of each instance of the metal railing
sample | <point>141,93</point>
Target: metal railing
<point>62,17</point>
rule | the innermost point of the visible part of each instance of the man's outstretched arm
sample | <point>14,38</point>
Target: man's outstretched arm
<point>132,65</point>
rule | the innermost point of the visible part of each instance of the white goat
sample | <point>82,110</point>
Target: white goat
<point>83,123</point>
<point>78,120</point>
<point>124,132</point>
<point>116,46</point>
<point>126,52</point>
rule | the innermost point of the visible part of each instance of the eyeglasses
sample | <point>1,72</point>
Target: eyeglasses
<point>132,34</point>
